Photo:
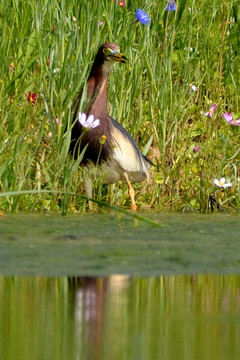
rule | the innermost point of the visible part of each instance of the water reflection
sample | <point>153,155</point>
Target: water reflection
<point>173,317</point>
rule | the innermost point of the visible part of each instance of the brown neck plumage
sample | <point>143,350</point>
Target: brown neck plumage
<point>96,105</point>
<point>97,95</point>
<point>97,90</point>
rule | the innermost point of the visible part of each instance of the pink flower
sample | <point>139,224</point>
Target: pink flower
<point>211,111</point>
<point>58,122</point>
<point>228,117</point>
<point>12,67</point>
<point>196,149</point>
<point>122,3</point>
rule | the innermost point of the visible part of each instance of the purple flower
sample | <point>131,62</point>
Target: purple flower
<point>142,17</point>
<point>196,149</point>
<point>171,6</point>
<point>211,111</point>
<point>228,117</point>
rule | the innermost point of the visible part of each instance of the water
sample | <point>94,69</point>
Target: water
<point>177,295</point>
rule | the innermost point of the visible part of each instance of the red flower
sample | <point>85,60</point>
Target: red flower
<point>32,98</point>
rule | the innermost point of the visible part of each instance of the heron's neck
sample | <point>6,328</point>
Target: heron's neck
<point>97,90</point>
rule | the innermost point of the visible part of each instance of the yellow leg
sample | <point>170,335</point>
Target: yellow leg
<point>131,194</point>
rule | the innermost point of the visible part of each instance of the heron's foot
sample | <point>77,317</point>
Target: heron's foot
<point>133,208</point>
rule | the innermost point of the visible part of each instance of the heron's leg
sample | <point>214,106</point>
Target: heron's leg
<point>87,181</point>
<point>88,185</point>
<point>131,193</point>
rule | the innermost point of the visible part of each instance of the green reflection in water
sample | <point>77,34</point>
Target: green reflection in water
<point>167,317</point>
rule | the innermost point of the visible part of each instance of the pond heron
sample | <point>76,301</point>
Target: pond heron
<point>104,140</point>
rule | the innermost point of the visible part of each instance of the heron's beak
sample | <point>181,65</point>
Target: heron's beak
<point>117,56</point>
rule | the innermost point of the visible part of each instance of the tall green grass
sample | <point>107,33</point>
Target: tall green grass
<point>47,48</point>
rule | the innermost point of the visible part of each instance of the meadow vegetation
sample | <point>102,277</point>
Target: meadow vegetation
<point>179,65</point>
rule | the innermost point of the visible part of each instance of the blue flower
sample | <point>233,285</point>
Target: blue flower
<point>171,6</point>
<point>142,16</point>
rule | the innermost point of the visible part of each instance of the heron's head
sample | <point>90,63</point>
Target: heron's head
<point>111,52</point>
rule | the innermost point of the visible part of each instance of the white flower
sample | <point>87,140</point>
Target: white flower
<point>222,183</point>
<point>57,70</point>
<point>193,88</point>
<point>88,123</point>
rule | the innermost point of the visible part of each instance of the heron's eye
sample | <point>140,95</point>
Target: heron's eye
<point>105,51</point>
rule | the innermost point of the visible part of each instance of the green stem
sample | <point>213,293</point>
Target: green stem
<point>222,49</point>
